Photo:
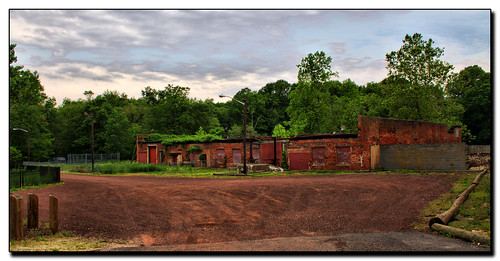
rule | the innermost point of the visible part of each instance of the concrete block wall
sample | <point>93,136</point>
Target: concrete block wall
<point>436,156</point>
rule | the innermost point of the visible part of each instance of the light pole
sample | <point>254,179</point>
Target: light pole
<point>244,103</point>
<point>91,136</point>
<point>27,131</point>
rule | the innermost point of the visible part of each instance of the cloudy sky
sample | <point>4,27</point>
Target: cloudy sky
<point>223,51</point>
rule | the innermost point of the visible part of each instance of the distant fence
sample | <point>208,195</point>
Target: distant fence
<point>87,158</point>
<point>34,175</point>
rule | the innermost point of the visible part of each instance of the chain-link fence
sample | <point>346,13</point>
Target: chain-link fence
<point>87,158</point>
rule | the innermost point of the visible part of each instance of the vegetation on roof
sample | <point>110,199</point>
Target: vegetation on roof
<point>171,139</point>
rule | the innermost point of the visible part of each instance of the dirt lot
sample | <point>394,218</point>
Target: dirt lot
<point>147,210</point>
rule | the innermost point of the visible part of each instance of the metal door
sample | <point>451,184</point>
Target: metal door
<point>299,161</point>
<point>152,155</point>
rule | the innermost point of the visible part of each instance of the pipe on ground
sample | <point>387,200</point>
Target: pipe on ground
<point>463,234</point>
<point>440,221</point>
<point>445,217</point>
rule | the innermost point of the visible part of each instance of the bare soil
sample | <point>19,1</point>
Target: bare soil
<point>148,210</point>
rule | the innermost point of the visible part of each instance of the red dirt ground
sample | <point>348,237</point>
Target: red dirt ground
<point>150,210</point>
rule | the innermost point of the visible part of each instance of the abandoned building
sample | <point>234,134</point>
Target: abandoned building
<point>380,144</point>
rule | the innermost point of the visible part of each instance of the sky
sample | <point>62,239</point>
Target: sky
<point>222,51</point>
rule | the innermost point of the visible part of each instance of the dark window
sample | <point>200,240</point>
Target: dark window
<point>318,155</point>
<point>343,155</point>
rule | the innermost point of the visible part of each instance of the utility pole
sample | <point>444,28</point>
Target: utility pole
<point>244,103</point>
<point>91,136</point>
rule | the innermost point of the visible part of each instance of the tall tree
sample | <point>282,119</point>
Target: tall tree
<point>316,68</point>
<point>310,98</point>
<point>28,110</point>
<point>415,86</point>
<point>417,61</point>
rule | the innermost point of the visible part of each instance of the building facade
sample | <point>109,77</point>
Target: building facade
<point>305,152</point>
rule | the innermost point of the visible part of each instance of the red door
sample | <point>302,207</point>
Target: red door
<point>152,155</point>
<point>299,161</point>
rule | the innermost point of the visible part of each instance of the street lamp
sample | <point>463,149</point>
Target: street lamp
<point>244,103</point>
<point>91,135</point>
<point>27,131</point>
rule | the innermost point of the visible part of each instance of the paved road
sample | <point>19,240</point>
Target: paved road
<point>346,242</point>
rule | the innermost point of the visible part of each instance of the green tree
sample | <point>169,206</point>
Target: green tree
<point>275,98</point>
<point>415,87</point>
<point>316,68</point>
<point>345,106</point>
<point>417,61</point>
<point>310,99</point>
<point>28,109</point>
<point>471,88</point>
<point>118,134</point>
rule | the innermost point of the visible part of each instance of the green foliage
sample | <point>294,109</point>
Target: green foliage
<point>14,156</point>
<point>315,68</point>
<point>118,135</point>
<point>193,148</point>
<point>280,132</point>
<point>28,109</point>
<point>471,88</point>
<point>415,87</point>
<point>170,139</point>
<point>417,61</point>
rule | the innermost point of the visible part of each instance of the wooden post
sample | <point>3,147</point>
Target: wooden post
<point>32,211</point>
<point>16,217</point>
<point>53,213</point>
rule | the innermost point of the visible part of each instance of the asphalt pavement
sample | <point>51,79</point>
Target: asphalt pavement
<point>387,242</point>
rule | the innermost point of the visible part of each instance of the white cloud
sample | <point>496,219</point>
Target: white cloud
<point>210,51</point>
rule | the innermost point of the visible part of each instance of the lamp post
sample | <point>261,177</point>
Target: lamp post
<point>27,131</point>
<point>244,103</point>
<point>91,136</point>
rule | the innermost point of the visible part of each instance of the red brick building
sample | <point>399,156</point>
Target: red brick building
<point>305,152</point>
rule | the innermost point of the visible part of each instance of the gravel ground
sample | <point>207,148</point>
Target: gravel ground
<point>160,211</point>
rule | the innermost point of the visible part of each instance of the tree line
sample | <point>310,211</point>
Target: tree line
<point>419,86</point>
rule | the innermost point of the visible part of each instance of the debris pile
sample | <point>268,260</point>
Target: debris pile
<point>478,161</point>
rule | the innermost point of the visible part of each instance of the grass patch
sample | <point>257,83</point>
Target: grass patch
<point>36,186</point>
<point>473,215</point>
<point>142,169</point>
<point>37,240</point>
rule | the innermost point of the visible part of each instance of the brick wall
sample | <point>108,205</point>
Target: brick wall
<point>437,156</point>
<point>391,131</point>
<point>319,151</point>
<point>336,150</point>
